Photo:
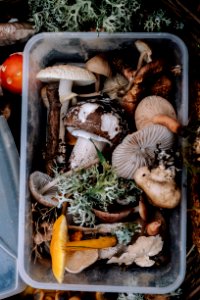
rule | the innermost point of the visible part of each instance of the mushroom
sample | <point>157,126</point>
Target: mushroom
<point>109,217</point>
<point>159,185</point>
<point>11,73</point>
<point>138,149</point>
<point>79,260</point>
<point>66,75</point>
<point>96,121</point>
<point>44,188</point>
<point>134,94</point>
<point>115,86</point>
<point>151,106</point>
<point>153,227</point>
<point>113,217</point>
<point>162,86</point>
<point>99,65</point>
<point>140,252</point>
<point>145,53</point>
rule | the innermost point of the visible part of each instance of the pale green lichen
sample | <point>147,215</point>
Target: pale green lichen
<point>95,187</point>
<point>125,232</point>
<point>79,15</point>
<point>100,15</point>
<point>157,20</point>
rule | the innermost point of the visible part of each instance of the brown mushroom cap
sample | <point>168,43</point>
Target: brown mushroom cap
<point>138,149</point>
<point>151,106</point>
<point>96,118</point>
<point>98,64</point>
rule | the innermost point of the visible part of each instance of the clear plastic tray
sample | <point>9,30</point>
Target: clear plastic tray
<point>47,48</point>
<point>10,282</point>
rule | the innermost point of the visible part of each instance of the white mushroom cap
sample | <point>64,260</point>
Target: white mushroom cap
<point>77,74</point>
<point>144,49</point>
<point>151,106</point>
<point>66,75</point>
<point>138,149</point>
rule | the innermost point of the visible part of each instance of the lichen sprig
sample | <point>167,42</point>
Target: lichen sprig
<point>126,231</point>
<point>94,187</point>
<point>157,20</point>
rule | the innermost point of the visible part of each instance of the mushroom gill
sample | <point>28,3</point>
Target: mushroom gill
<point>138,149</point>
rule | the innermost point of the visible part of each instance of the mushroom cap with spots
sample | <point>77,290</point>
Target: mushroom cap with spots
<point>98,118</point>
<point>78,75</point>
<point>138,149</point>
<point>151,106</point>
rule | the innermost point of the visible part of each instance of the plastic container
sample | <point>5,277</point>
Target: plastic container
<point>45,49</point>
<point>10,282</point>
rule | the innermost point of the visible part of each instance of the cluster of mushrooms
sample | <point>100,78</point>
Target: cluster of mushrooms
<point>127,111</point>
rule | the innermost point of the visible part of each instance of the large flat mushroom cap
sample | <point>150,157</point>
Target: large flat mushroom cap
<point>151,106</point>
<point>77,74</point>
<point>138,149</point>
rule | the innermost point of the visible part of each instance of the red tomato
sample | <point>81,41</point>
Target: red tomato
<point>11,73</point>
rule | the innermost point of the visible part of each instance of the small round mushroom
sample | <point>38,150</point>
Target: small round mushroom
<point>66,75</point>
<point>99,65</point>
<point>151,106</point>
<point>96,121</point>
<point>138,149</point>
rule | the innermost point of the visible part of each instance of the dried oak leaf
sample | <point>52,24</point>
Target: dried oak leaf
<point>140,252</point>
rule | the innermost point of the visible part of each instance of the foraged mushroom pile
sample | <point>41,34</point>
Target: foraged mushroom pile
<point>111,168</point>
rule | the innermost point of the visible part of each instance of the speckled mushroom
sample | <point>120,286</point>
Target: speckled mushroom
<point>151,106</point>
<point>96,121</point>
<point>138,149</point>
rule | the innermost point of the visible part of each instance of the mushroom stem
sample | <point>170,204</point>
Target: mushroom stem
<point>101,228</point>
<point>64,89</point>
<point>65,94</point>
<point>84,152</point>
<point>42,185</point>
<point>143,57</point>
<point>52,183</point>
